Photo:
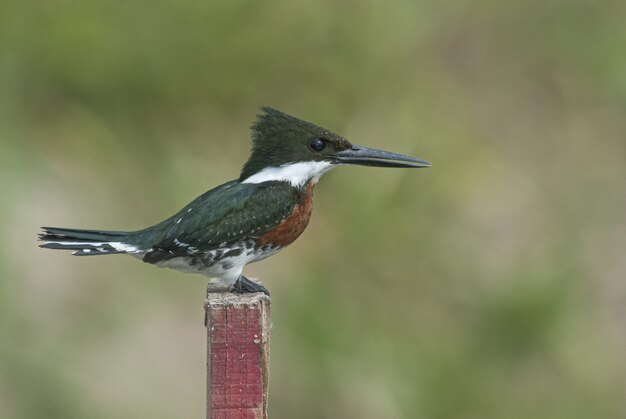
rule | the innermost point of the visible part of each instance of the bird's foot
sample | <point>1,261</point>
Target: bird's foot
<point>244,286</point>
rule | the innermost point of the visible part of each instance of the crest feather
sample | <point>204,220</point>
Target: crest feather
<point>277,139</point>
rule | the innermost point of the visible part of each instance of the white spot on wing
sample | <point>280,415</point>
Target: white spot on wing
<point>180,244</point>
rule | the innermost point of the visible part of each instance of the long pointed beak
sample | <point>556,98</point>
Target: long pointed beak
<point>371,157</point>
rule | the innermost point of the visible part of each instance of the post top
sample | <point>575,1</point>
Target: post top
<point>227,299</point>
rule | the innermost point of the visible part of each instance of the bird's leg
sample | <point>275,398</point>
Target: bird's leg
<point>243,285</point>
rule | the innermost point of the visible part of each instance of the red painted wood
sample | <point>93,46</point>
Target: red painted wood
<point>238,354</point>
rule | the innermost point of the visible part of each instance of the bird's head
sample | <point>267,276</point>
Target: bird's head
<point>290,149</point>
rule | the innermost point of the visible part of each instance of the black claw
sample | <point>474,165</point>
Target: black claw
<point>244,286</point>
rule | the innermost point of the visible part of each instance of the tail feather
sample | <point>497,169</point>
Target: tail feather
<point>87,242</point>
<point>72,233</point>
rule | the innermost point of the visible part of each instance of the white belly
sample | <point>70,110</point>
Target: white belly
<point>224,271</point>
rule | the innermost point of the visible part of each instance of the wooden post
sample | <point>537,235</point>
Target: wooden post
<point>238,332</point>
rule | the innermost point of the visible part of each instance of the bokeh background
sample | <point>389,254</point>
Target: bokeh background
<point>490,286</point>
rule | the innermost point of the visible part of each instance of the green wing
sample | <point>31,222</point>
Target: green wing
<point>222,217</point>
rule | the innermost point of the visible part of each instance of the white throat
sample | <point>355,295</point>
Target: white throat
<point>297,174</point>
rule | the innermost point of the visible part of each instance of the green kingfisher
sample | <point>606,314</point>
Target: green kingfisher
<point>244,220</point>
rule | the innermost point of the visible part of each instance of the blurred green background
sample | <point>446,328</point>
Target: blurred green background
<point>490,286</point>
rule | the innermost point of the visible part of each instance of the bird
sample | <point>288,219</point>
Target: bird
<point>245,220</point>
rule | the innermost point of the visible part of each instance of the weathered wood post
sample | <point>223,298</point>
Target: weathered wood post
<point>238,328</point>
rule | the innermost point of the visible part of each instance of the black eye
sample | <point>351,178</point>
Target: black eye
<point>317,144</point>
